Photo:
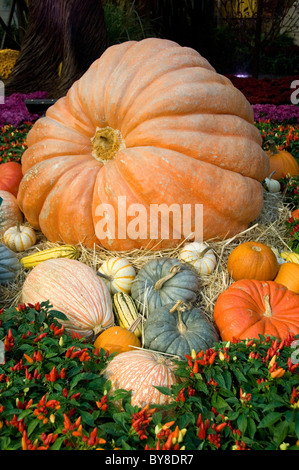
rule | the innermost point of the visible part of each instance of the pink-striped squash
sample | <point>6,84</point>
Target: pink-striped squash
<point>74,289</point>
<point>141,371</point>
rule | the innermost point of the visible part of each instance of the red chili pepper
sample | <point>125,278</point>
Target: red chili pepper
<point>168,443</point>
<point>212,358</point>
<point>202,431</point>
<point>220,427</point>
<point>199,420</point>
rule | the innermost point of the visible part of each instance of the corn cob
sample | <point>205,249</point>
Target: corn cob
<point>126,312</point>
<point>63,251</point>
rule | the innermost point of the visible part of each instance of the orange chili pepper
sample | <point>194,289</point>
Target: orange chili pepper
<point>28,358</point>
<point>278,373</point>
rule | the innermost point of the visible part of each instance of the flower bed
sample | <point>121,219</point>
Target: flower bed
<point>275,91</point>
<point>236,396</point>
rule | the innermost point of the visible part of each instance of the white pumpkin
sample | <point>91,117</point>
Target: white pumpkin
<point>118,274</point>
<point>272,185</point>
<point>19,237</point>
<point>200,256</point>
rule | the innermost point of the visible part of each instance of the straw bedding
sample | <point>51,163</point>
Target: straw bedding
<point>269,228</point>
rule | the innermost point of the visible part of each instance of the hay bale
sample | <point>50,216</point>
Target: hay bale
<point>269,228</point>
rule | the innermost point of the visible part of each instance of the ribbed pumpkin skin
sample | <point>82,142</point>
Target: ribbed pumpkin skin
<point>240,310</point>
<point>10,213</point>
<point>9,265</point>
<point>288,276</point>
<point>140,371</point>
<point>162,331</point>
<point>283,163</point>
<point>189,139</point>
<point>183,285</point>
<point>252,260</point>
<point>74,289</point>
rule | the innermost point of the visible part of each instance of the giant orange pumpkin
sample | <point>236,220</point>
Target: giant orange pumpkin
<point>150,122</point>
<point>250,307</point>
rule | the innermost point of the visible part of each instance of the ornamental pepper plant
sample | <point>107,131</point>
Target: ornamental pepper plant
<point>242,395</point>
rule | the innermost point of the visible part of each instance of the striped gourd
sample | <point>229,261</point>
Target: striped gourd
<point>126,312</point>
<point>118,274</point>
<point>63,251</point>
<point>74,289</point>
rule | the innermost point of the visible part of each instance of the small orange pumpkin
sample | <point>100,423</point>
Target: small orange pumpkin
<point>252,260</point>
<point>117,339</point>
<point>249,308</point>
<point>281,162</point>
<point>10,177</point>
<point>295,214</point>
<point>288,276</point>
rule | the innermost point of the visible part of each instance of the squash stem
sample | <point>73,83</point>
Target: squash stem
<point>135,324</point>
<point>179,307</point>
<point>172,272</point>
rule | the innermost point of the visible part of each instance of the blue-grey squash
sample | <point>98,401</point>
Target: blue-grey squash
<point>10,265</point>
<point>164,280</point>
<point>177,328</point>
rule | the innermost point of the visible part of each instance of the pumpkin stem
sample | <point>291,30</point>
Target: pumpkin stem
<point>272,147</point>
<point>106,143</point>
<point>105,276</point>
<point>256,248</point>
<point>97,329</point>
<point>202,253</point>
<point>271,174</point>
<point>180,307</point>
<point>172,272</point>
<point>268,311</point>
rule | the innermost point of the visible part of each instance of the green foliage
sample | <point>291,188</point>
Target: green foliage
<point>53,394</point>
<point>124,23</point>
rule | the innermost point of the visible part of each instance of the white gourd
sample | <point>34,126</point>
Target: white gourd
<point>200,256</point>
<point>19,237</point>
<point>118,274</point>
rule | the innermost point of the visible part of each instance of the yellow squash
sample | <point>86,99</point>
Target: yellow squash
<point>62,251</point>
<point>126,312</point>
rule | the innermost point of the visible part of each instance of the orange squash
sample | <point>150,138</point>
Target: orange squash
<point>117,340</point>
<point>10,177</point>
<point>150,122</point>
<point>282,163</point>
<point>288,275</point>
<point>252,260</point>
<point>249,308</point>
<point>295,214</point>
<point>141,371</point>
